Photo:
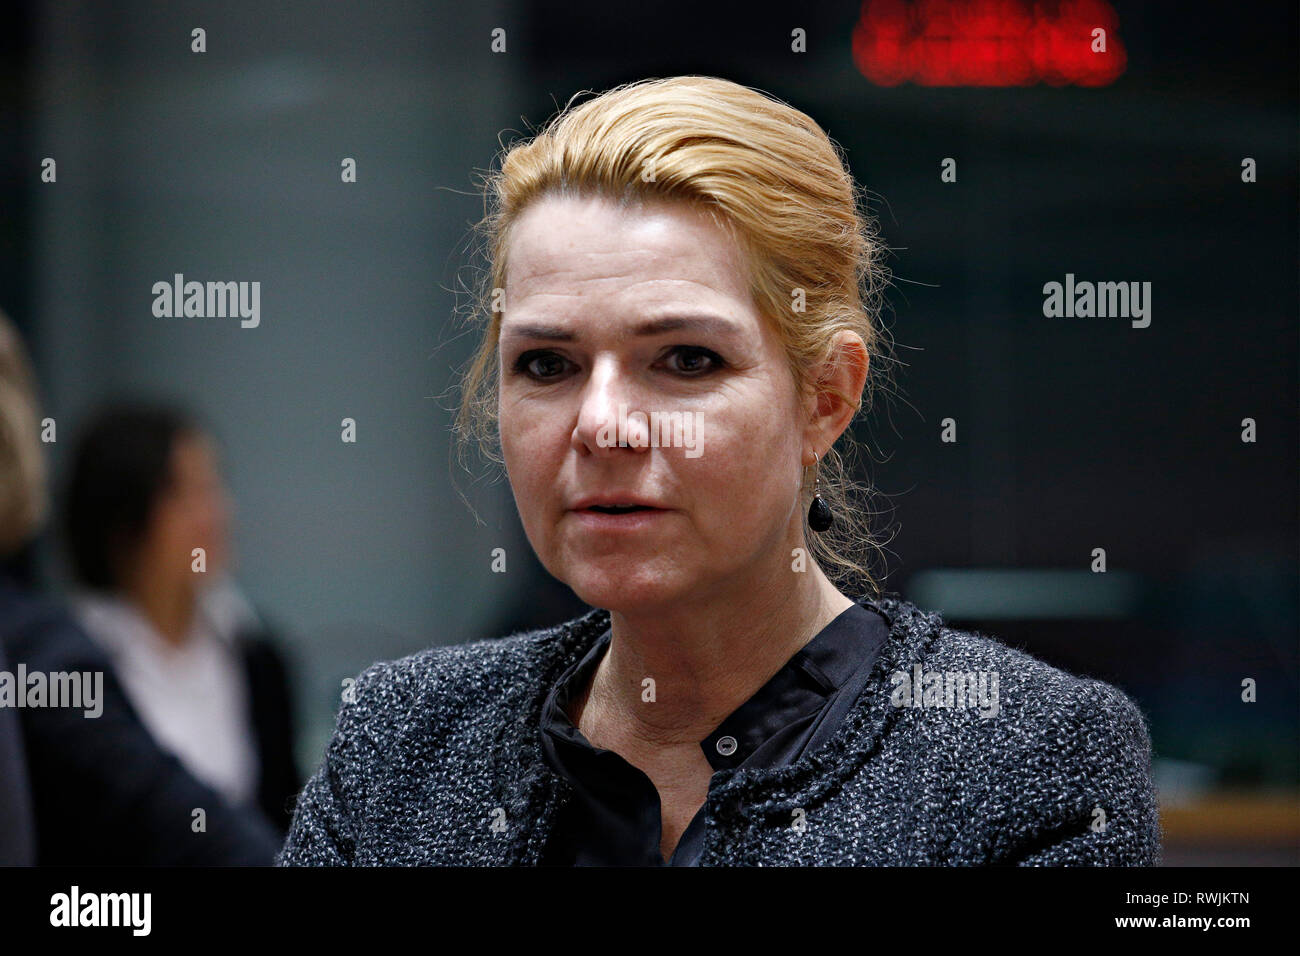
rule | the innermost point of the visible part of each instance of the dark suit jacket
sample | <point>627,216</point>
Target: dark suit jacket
<point>436,760</point>
<point>102,790</point>
<point>272,721</point>
<point>17,826</point>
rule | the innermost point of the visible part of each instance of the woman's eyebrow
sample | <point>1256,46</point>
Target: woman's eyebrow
<point>699,322</point>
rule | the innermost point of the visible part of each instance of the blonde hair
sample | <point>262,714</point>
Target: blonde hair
<point>774,181</point>
<point>24,500</point>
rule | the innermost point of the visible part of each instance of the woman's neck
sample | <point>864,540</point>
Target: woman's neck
<point>168,607</point>
<point>671,678</point>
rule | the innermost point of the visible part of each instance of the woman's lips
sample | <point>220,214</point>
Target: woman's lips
<point>624,521</point>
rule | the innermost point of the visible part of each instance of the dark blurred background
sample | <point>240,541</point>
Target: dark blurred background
<point>1073,433</point>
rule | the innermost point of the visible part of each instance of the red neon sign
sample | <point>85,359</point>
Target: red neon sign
<point>988,43</point>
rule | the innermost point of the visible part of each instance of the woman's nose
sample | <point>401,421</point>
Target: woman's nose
<point>605,416</point>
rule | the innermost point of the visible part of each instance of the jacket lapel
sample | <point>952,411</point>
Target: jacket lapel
<point>750,801</point>
<point>529,793</point>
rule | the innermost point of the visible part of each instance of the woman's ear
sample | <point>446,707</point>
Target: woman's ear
<point>837,394</point>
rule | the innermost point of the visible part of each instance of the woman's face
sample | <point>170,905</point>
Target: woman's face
<point>192,511</point>
<point>586,284</point>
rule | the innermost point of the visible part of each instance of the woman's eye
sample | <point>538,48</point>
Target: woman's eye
<point>540,365</point>
<point>695,360</point>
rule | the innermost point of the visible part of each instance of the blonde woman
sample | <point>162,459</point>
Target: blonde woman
<point>680,326</point>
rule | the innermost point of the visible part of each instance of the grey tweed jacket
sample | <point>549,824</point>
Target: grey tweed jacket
<point>436,760</point>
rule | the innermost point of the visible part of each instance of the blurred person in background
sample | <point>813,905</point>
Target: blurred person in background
<point>23,504</point>
<point>147,523</point>
<point>75,789</point>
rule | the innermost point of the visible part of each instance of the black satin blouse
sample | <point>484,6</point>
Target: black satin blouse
<point>614,819</point>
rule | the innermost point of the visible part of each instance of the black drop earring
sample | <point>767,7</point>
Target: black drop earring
<point>819,513</point>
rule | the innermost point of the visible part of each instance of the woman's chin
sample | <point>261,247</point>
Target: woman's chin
<point>627,592</point>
